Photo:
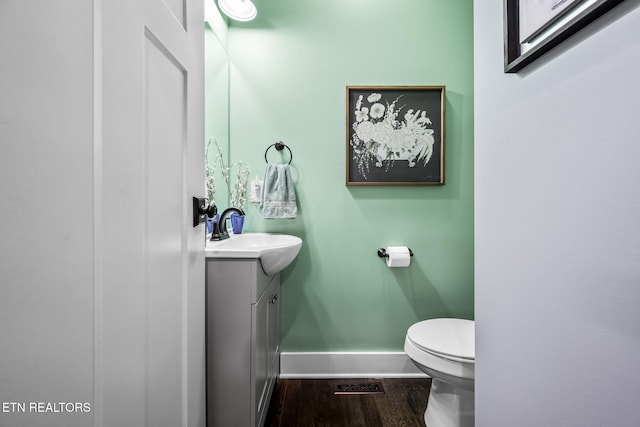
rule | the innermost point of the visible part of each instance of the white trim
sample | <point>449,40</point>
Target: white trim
<point>348,365</point>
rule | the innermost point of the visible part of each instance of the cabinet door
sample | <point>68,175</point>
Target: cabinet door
<point>267,351</point>
<point>273,334</point>
<point>260,353</point>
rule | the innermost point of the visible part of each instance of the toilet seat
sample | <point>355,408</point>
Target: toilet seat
<point>452,339</point>
<point>444,349</point>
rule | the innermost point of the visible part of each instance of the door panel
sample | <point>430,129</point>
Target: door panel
<point>164,140</point>
<point>178,8</point>
<point>150,330</point>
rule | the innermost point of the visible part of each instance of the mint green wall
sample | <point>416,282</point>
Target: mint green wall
<point>216,91</point>
<point>289,69</point>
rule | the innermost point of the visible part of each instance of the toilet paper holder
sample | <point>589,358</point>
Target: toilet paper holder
<point>382,253</point>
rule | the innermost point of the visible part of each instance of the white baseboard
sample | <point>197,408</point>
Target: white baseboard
<point>348,365</point>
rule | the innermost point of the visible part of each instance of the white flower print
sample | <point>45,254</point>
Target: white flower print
<point>377,111</point>
<point>362,115</point>
<point>379,138</point>
<point>374,97</point>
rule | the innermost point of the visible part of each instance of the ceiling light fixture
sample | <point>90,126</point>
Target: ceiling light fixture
<point>239,10</point>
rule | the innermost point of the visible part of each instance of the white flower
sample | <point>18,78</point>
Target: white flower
<point>424,118</point>
<point>365,131</point>
<point>382,133</point>
<point>408,116</point>
<point>237,193</point>
<point>362,115</point>
<point>374,97</point>
<point>424,147</point>
<point>401,144</point>
<point>377,110</point>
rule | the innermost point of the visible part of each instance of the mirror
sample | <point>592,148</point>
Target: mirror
<point>216,97</point>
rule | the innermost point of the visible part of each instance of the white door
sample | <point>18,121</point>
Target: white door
<point>150,302</point>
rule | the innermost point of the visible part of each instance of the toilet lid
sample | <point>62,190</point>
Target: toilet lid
<point>448,337</point>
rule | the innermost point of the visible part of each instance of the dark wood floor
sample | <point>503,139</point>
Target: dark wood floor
<point>312,403</point>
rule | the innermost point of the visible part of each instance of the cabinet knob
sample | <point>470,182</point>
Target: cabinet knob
<point>273,299</point>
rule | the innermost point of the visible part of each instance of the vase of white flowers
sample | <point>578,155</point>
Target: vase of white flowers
<point>237,188</point>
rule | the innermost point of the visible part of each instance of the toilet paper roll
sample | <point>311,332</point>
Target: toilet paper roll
<point>398,256</point>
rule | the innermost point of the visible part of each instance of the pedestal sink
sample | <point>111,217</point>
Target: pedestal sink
<point>275,251</point>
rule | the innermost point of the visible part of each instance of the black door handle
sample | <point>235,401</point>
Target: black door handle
<point>201,210</point>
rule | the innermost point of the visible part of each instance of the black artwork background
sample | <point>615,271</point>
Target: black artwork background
<point>398,172</point>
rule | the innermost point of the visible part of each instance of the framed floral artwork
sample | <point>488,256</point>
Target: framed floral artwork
<point>395,135</point>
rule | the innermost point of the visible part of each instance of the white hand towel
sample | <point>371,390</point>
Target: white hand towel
<point>278,193</point>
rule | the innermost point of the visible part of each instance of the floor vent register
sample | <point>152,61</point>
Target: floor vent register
<point>359,388</point>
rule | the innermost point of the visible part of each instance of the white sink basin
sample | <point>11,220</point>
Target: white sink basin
<point>275,251</point>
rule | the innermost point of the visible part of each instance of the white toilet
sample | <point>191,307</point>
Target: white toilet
<point>445,350</point>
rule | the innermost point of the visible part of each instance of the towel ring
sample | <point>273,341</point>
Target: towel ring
<point>279,146</point>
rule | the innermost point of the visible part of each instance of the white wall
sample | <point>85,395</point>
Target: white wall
<point>46,209</point>
<point>557,217</point>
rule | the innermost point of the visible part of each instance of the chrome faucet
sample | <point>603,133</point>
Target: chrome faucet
<point>220,228</point>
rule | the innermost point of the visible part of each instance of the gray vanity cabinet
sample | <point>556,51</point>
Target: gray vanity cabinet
<point>243,341</point>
